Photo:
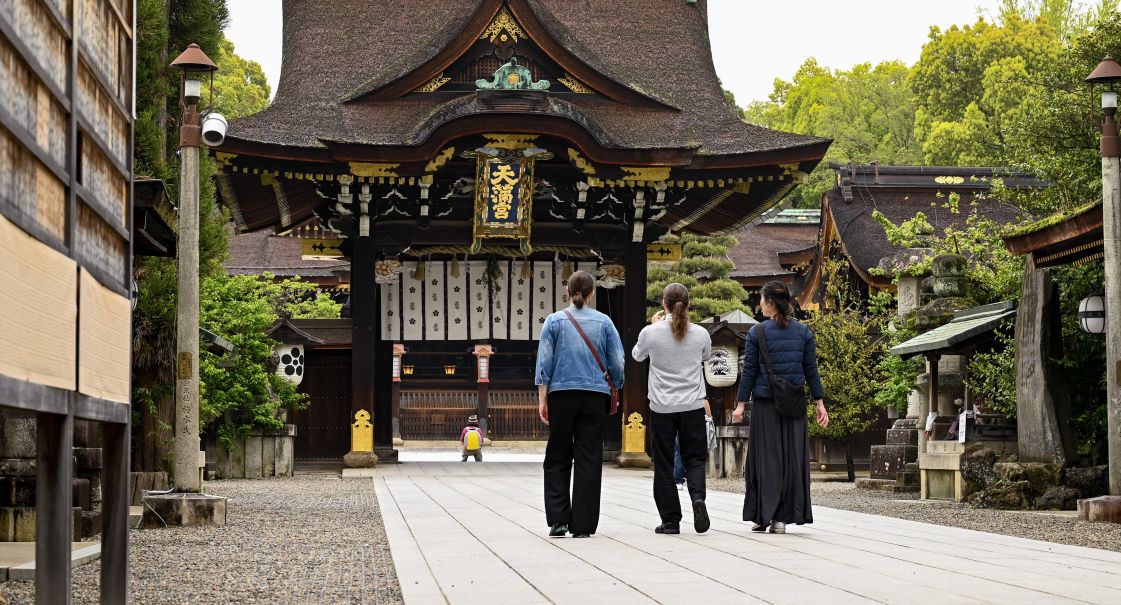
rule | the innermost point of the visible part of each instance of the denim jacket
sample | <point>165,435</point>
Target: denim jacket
<point>564,362</point>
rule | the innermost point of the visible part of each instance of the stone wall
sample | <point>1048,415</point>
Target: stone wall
<point>257,455</point>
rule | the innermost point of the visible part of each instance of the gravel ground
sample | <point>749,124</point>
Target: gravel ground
<point>310,539</point>
<point>1061,529</point>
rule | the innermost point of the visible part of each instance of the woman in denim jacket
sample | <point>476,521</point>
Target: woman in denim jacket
<point>573,397</point>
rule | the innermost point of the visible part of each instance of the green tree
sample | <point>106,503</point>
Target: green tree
<point>240,87</point>
<point>971,83</point>
<point>867,110</point>
<point>848,350</point>
<point>704,269</point>
<point>241,392</point>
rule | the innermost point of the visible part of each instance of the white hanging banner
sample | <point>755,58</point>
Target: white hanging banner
<point>457,301</point>
<point>435,310</point>
<point>478,308</point>
<point>521,314</point>
<point>500,302</point>
<point>413,298</point>
<point>390,310</point>
<point>542,297</point>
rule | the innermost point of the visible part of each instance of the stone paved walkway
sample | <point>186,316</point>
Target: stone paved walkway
<point>475,533</point>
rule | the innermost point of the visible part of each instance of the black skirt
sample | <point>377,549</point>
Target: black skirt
<point>778,467</point>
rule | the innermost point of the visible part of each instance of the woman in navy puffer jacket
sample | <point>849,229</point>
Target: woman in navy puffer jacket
<point>778,461</point>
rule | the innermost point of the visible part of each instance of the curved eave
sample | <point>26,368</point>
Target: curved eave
<point>594,149</point>
<point>1075,227</point>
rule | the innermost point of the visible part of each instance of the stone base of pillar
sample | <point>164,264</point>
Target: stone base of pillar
<point>386,455</point>
<point>360,459</point>
<point>1104,508</point>
<point>634,460</point>
<point>183,510</point>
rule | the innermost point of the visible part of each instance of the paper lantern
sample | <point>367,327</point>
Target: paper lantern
<point>722,369</point>
<point>1091,314</point>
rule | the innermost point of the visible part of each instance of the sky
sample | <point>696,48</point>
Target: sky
<point>753,41</point>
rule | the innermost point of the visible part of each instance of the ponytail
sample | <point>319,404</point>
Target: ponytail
<point>676,299</point>
<point>778,295</point>
<point>580,286</point>
<point>680,320</point>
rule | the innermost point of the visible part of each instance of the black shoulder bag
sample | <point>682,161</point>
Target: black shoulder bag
<point>790,399</point>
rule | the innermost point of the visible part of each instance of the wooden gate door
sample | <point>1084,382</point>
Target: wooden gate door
<point>323,429</point>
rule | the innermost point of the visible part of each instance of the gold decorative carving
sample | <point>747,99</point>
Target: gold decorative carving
<point>646,173</point>
<point>366,169</point>
<point>511,141</point>
<point>439,161</point>
<point>434,84</point>
<point>224,159</point>
<point>949,180</point>
<point>362,433</point>
<point>634,434</point>
<point>575,85</point>
<point>578,160</point>
<point>503,28</point>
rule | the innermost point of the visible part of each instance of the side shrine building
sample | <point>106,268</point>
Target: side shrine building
<point>469,155</point>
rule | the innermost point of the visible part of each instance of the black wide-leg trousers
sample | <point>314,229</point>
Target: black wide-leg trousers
<point>576,421</point>
<point>689,428</point>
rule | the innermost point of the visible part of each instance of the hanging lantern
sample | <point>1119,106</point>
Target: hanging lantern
<point>482,354</point>
<point>721,369</point>
<point>1091,314</point>
<point>291,366</point>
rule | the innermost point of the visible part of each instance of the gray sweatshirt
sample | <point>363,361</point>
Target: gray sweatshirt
<point>677,381</point>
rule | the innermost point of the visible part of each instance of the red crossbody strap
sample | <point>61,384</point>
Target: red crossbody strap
<point>592,348</point>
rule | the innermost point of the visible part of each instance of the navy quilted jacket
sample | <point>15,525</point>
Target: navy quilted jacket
<point>794,352</point>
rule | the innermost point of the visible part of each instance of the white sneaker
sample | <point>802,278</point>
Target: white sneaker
<point>778,527</point>
<point>680,487</point>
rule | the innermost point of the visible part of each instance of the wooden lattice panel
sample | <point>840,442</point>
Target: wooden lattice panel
<point>103,116</point>
<point>104,181</point>
<point>99,246</point>
<point>30,190</point>
<point>28,103</point>
<point>103,342</point>
<point>106,42</point>
<point>35,27</point>
<point>39,302</point>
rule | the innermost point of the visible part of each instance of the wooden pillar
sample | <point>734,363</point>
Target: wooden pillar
<point>54,518</point>
<point>364,340</point>
<point>114,512</point>
<point>932,398</point>
<point>634,390</point>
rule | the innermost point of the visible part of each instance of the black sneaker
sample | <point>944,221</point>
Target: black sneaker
<point>700,516</point>
<point>581,535</point>
<point>760,527</point>
<point>558,530</point>
<point>668,528</point>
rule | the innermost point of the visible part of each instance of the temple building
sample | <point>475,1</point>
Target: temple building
<point>463,158</point>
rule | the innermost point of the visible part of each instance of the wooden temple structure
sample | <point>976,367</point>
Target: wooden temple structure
<point>67,233</point>
<point>470,154</point>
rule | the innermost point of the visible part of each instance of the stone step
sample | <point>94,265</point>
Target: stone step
<point>907,478</point>
<point>885,485</point>
<point>887,460</point>
<point>905,489</point>
<point>903,437</point>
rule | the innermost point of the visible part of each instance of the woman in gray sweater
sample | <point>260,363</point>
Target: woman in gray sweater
<point>677,349</point>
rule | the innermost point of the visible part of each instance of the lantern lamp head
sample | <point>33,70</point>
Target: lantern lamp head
<point>1091,314</point>
<point>193,59</point>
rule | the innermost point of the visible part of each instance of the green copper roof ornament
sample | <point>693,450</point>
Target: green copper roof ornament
<point>512,76</point>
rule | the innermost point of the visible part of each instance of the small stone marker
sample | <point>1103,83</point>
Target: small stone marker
<point>361,454</point>
<point>1105,508</point>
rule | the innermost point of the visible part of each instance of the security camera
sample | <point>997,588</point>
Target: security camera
<point>213,129</point>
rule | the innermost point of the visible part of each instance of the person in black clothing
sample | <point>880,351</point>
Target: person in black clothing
<point>778,461</point>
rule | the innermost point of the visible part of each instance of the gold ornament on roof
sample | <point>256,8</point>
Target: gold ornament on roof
<point>503,22</point>
<point>439,161</point>
<point>646,173</point>
<point>580,162</point>
<point>575,85</point>
<point>434,84</point>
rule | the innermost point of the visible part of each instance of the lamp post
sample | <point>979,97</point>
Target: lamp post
<point>1108,73</point>
<point>187,444</point>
